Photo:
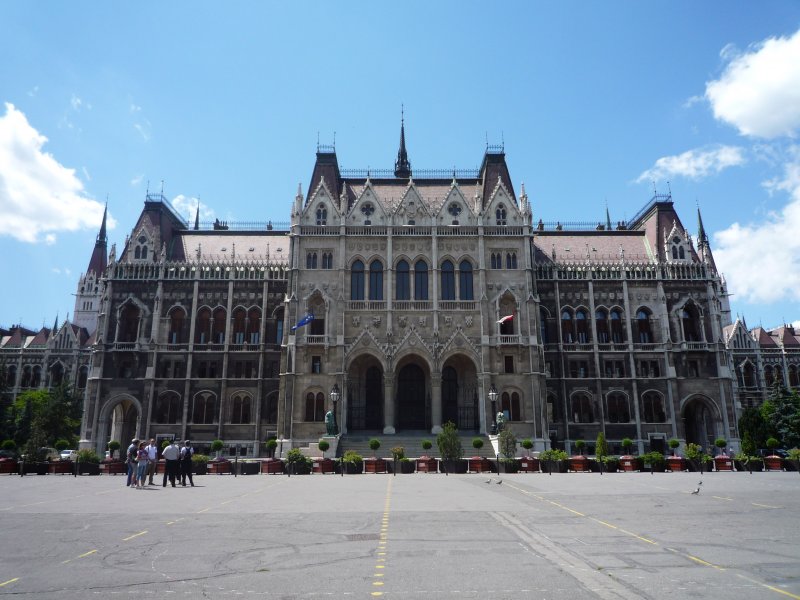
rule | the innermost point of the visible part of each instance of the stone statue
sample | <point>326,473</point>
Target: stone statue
<point>501,421</point>
<point>330,423</point>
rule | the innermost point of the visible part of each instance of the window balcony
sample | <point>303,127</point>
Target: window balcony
<point>645,347</point>
<point>509,340</point>
<point>366,305</point>
<point>125,345</point>
<point>412,305</point>
<point>317,339</point>
<point>457,305</point>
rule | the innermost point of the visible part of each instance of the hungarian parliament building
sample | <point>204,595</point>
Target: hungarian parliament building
<point>398,301</point>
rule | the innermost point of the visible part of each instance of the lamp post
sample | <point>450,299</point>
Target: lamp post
<point>493,401</point>
<point>335,395</point>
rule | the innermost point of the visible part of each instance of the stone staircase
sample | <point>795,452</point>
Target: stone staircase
<point>412,442</point>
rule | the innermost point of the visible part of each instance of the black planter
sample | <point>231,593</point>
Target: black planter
<point>350,468</point>
<point>88,468</point>
<point>453,466</point>
<point>35,468</point>
<point>508,466</point>
<point>249,468</point>
<point>200,468</point>
<point>298,468</point>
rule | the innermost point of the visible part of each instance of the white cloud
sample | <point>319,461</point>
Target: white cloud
<point>187,207</point>
<point>38,195</point>
<point>137,180</point>
<point>759,91</point>
<point>86,174</point>
<point>135,108</point>
<point>694,164</point>
<point>761,261</point>
<point>75,102</point>
<point>143,129</point>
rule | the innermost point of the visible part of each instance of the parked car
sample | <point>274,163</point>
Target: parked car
<point>69,454</point>
<point>45,454</point>
<point>775,452</point>
<point>8,454</point>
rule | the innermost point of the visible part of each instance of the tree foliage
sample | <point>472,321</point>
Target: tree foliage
<point>508,443</point>
<point>449,443</point>
<point>781,415</point>
<point>601,446</point>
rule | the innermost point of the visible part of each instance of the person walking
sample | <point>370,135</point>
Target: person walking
<point>152,454</point>
<point>130,461</point>
<point>142,459</point>
<point>186,463</point>
<point>171,455</point>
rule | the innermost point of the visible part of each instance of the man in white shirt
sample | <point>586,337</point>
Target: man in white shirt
<point>152,455</point>
<point>171,455</point>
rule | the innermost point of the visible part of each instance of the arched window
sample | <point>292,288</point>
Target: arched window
<point>643,327</point>
<point>617,409</point>
<point>601,321</point>
<point>691,327</point>
<point>168,408</point>
<point>202,326</point>
<point>279,327</point>
<point>420,280</point>
<point>26,377</point>
<point>748,375</point>
<point>493,261</point>
<point>617,335</point>
<point>315,406</point>
<point>83,375</point>
<point>465,291</point>
<point>254,326</point>
<point>779,374</point>
<point>311,260</point>
<point>582,411</point>
<point>322,215</point>
<point>56,374</point>
<point>567,327</point>
<point>11,376</point>
<point>239,325</point>
<point>510,405</point>
<point>794,381</point>
<point>769,379</point>
<point>553,408</point>
<point>241,405</point>
<point>128,323</point>
<point>581,326</point>
<point>375,280</point>
<point>36,378</point>
<point>653,408</point>
<point>511,260</point>
<point>675,252</point>
<point>500,214</point>
<point>357,281</point>
<point>681,254</point>
<point>543,325</point>
<point>448,281</point>
<point>403,281</point>
<point>327,260</point>
<point>218,328</point>
<point>270,412</point>
<point>177,319</point>
<point>204,410</point>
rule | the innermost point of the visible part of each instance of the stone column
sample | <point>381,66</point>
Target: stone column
<point>436,403</point>
<point>388,405</point>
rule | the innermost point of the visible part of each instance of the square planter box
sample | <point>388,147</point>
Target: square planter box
<point>723,463</point>
<point>113,468</point>
<point>752,465</point>
<point>453,466</point>
<point>508,466</point>
<point>426,464</point>
<point>773,463</point>
<point>272,466</point>
<point>8,466</point>
<point>61,467</point>
<point>676,463</point>
<point>300,468</point>
<point>629,464</point>
<point>529,464</point>
<point>29,468</point>
<point>579,464</point>
<point>324,465</point>
<point>249,468</point>
<point>374,465</point>
<point>199,468</point>
<point>88,468</point>
<point>554,466</point>
<point>479,464</point>
<point>218,468</point>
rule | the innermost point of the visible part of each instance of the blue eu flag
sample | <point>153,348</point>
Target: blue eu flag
<point>304,321</point>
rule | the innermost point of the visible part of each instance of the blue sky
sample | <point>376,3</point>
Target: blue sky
<point>224,101</point>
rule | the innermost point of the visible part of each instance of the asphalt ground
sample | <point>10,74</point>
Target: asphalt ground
<point>565,536</point>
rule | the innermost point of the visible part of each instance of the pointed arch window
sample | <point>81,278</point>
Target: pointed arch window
<point>403,281</point>
<point>322,215</point>
<point>254,326</point>
<point>794,380</point>
<point>26,377</point>
<point>643,327</point>
<point>689,320</point>
<point>239,325</point>
<point>617,409</point>
<point>582,411</point>
<point>581,326</point>
<point>315,406</point>
<point>327,260</point>
<point>128,323</point>
<point>56,374</point>
<point>311,260</point>
<point>420,280</point>
<point>376,280</point>
<point>219,318</point>
<point>653,408</point>
<point>748,375</point>
<point>448,281</point>
<point>495,261</point>
<point>510,405</point>
<point>241,409</point>
<point>601,321</point>
<point>544,325</point>
<point>177,321</point>
<point>168,408</point>
<point>204,408</point>
<point>357,281</point>
<point>83,375</point>
<point>617,335</point>
<point>501,215</point>
<point>511,260</point>
<point>567,327</point>
<point>465,288</point>
<point>11,376</point>
<point>202,327</point>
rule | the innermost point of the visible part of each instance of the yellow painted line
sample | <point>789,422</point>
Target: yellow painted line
<point>85,554</point>
<point>771,588</point>
<point>638,537</point>
<point>377,583</point>
<point>377,594</point>
<point>135,535</point>
<point>723,498</point>
<point>764,505</point>
<point>604,523</point>
<point>380,567</point>
<point>703,562</point>
<point>202,511</point>
<point>226,502</point>
<point>9,581</point>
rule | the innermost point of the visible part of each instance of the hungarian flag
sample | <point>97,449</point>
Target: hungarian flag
<point>304,321</point>
<point>506,319</point>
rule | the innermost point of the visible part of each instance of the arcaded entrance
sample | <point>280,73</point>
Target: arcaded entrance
<point>413,400</point>
<point>365,395</point>
<point>700,418</point>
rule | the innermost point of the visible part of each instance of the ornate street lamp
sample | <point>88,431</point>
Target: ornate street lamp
<point>334,396</point>
<point>493,401</point>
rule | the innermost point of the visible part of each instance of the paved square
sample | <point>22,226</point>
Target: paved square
<point>568,536</point>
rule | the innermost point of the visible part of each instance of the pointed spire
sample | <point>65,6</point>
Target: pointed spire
<point>55,324</point>
<point>402,168</point>
<point>608,219</point>
<point>97,262</point>
<point>701,232</point>
<point>197,217</point>
<point>102,237</point>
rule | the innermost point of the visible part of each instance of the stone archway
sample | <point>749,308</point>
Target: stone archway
<point>701,421</point>
<point>413,398</point>
<point>460,397</point>
<point>120,421</point>
<point>365,389</point>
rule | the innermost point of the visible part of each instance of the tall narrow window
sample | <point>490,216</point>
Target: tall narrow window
<point>567,327</point>
<point>511,406</point>
<point>241,409</point>
<point>327,260</point>
<point>219,319</point>
<point>403,283</point>
<point>420,280</point>
<point>448,281</point>
<point>511,260</point>
<point>581,327</point>
<point>177,317</point>
<point>691,328</point>
<point>375,280</point>
<point>128,323</point>
<point>322,215</point>
<point>601,321</point>
<point>239,318</point>
<point>465,291</point>
<point>643,327</point>
<point>582,411</point>
<point>500,214</point>
<point>253,326</point>
<point>618,411</point>
<point>202,326</point>
<point>311,260</point>
<point>653,408</point>
<point>204,409</point>
<point>617,335</point>
<point>315,406</point>
<point>357,281</point>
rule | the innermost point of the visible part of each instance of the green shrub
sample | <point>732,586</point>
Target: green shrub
<point>601,446</point>
<point>580,445</point>
<point>556,455</point>
<point>9,445</point>
<point>374,444</point>
<point>748,445</point>
<point>449,443</point>
<point>720,443</point>
<point>61,444</point>
<point>398,453</point>
<point>88,455</point>
<point>165,443</point>
<point>772,443</point>
<point>477,443</point>
<point>673,443</point>
<point>426,445</point>
<point>693,451</point>
<point>655,459</point>
<point>113,446</point>
<point>793,454</point>
<point>527,444</point>
<point>627,444</point>
<point>323,445</point>
<point>507,442</point>
<point>199,459</point>
<point>352,457</point>
<point>217,445</point>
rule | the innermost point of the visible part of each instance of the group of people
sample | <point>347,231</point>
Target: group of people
<point>142,460</point>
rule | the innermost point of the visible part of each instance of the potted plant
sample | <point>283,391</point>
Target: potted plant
<point>528,464</point>
<point>298,463</point>
<point>507,443</point>
<point>746,459</point>
<point>271,465</point>
<point>628,462</point>
<point>270,445</point>
<point>675,462</point>
<point>8,462</point>
<point>553,460</point>
<point>478,463</point>
<point>425,463</point>
<point>113,446</point>
<point>656,461</point>
<point>722,462</point>
<point>199,464</point>
<point>697,459</point>
<point>219,464</point>
<point>450,449</point>
<point>374,464</point>
<point>323,465</point>
<point>773,462</point>
<point>401,463</point>
<point>88,462</point>
<point>579,463</point>
<point>352,462</point>
<point>792,461</point>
